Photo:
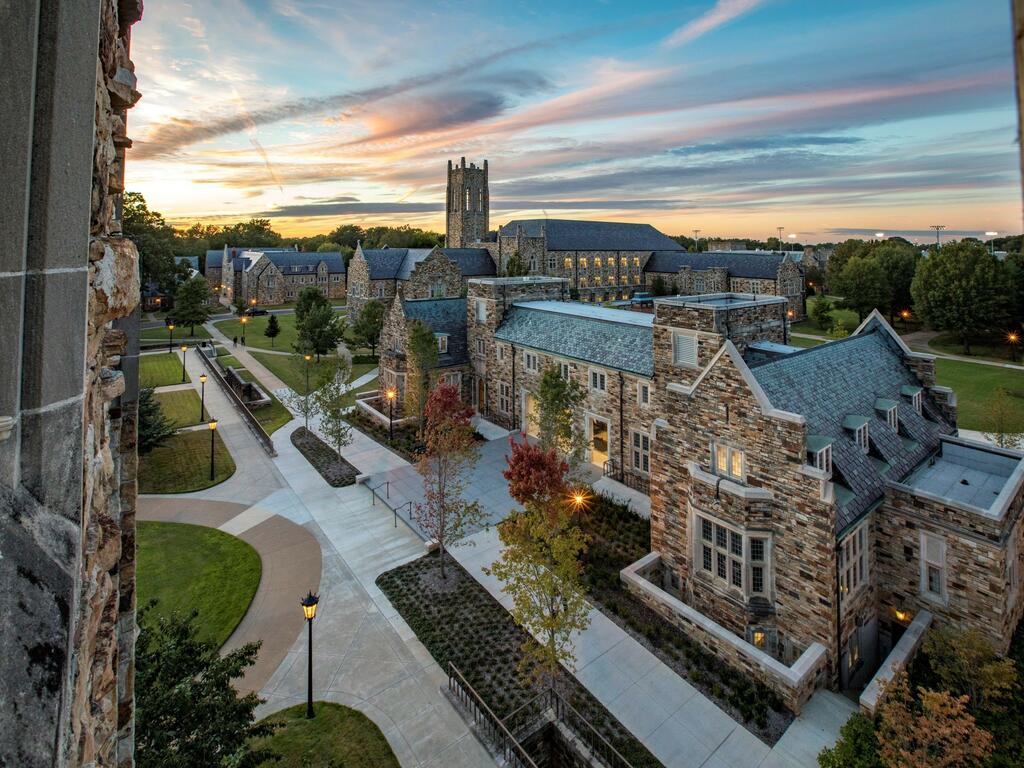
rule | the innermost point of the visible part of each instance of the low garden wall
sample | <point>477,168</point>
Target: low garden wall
<point>794,684</point>
<point>371,403</point>
<point>254,426</point>
<point>899,659</point>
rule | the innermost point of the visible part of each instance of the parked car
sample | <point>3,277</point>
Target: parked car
<point>256,311</point>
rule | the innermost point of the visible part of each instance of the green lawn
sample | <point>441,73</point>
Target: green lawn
<point>350,397</point>
<point>225,361</point>
<point>291,369</point>
<point>336,303</point>
<point>846,317</point>
<point>182,464</point>
<point>181,407</point>
<point>254,337</point>
<point>271,417</point>
<point>179,333</point>
<point>974,384</point>
<point>796,341</point>
<point>186,567</point>
<point>337,736</point>
<point>993,347</point>
<point>160,370</point>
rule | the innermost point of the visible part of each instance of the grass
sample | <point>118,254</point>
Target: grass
<point>179,333</point>
<point>991,347</point>
<point>254,328</point>
<point>182,464</point>
<point>796,341</point>
<point>160,370</point>
<point>271,417</point>
<point>337,736</point>
<point>845,317</point>
<point>350,397</point>
<point>225,361</point>
<point>181,407</point>
<point>974,384</point>
<point>192,567</point>
<point>292,371</point>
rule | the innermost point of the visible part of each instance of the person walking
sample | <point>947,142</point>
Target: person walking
<point>234,341</point>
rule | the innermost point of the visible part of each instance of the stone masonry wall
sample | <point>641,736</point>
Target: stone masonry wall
<point>435,271</point>
<point>69,289</point>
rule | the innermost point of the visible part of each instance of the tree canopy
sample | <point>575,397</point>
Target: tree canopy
<point>369,324</point>
<point>191,303</point>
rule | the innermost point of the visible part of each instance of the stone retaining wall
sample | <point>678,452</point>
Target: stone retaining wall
<point>794,684</point>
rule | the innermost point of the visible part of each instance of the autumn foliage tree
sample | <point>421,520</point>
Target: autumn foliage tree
<point>534,475</point>
<point>449,454</point>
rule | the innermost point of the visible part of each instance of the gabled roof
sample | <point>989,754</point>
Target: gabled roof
<point>393,263</point>
<point>293,262</point>
<point>611,338</point>
<point>759,265</point>
<point>834,387</point>
<point>447,316</point>
<point>472,262</point>
<point>571,235</point>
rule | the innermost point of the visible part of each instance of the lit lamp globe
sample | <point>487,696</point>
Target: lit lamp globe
<point>202,378</point>
<point>309,604</point>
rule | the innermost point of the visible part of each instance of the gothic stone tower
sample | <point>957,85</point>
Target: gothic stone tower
<point>468,204</point>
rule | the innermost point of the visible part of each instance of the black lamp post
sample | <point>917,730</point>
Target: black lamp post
<point>309,603</point>
<point>170,336</point>
<point>184,349</point>
<point>391,395</point>
<point>202,395</point>
<point>307,358</point>
<point>243,321</point>
<point>212,424</point>
<point>1013,339</point>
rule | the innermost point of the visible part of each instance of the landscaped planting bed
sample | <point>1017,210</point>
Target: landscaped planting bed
<point>618,538</point>
<point>458,621</point>
<point>405,444</point>
<point>329,463</point>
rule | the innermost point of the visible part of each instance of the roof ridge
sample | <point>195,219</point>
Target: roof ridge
<point>831,343</point>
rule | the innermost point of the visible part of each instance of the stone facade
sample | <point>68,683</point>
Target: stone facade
<point>69,290</point>
<point>435,276</point>
<point>270,284</point>
<point>467,204</point>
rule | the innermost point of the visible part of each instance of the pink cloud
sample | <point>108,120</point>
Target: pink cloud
<point>723,12</point>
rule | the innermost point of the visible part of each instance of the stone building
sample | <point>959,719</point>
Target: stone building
<point>420,273</point>
<point>276,277</point>
<point>69,289</point>
<point>446,317</point>
<point>757,272</point>
<point>468,205</point>
<point>235,259</point>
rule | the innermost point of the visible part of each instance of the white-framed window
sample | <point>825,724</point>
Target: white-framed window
<point>684,349</point>
<point>530,362</point>
<point>823,459</point>
<point>698,285</point>
<point>480,311</point>
<point>861,436</point>
<point>933,567</point>
<point>641,442</point>
<point>335,278</point>
<point>480,348</point>
<point>892,416</point>
<point>853,561</point>
<point>915,401</point>
<point>643,394</point>
<point>442,343</point>
<point>504,397</point>
<point>551,263</point>
<point>732,559</point>
<point>452,379</point>
<point>598,382</point>
<point>728,461</point>
<point>755,287</point>
<point>437,289</point>
<point>563,370</point>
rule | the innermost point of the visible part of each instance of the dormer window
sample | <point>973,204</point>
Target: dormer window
<point>442,343</point>
<point>888,408</point>
<point>823,459</point>
<point>915,401</point>
<point>914,394</point>
<point>893,417</point>
<point>861,436</point>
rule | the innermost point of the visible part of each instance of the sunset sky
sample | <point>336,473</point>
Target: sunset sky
<point>829,118</point>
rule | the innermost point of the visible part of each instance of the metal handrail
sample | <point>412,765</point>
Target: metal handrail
<point>387,491</point>
<point>402,506</point>
<point>255,427</point>
<point>511,749</point>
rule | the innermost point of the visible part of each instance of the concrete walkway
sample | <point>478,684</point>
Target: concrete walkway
<point>681,726</point>
<point>250,363</point>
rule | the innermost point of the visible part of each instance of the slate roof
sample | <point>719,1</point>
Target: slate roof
<point>612,338</point>
<point>472,262</point>
<point>443,316</point>
<point>393,263</point>
<point>570,235</point>
<point>829,384</point>
<point>291,262</point>
<point>760,265</point>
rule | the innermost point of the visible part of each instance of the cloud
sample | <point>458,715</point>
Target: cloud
<point>342,207</point>
<point>765,143</point>
<point>723,12</point>
<point>926,233</point>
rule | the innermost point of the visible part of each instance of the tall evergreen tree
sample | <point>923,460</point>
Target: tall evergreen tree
<point>154,428</point>
<point>421,354</point>
<point>191,303</point>
<point>273,329</point>
<point>368,325</point>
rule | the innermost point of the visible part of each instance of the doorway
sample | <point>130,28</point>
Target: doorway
<point>531,422</point>
<point>597,437</point>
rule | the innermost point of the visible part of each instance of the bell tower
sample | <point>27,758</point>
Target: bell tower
<point>467,205</point>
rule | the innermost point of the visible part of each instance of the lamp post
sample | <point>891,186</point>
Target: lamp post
<point>1013,339</point>
<point>309,603</point>
<point>991,242</point>
<point>170,336</point>
<point>252,303</point>
<point>243,321</point>
<point>391,395</point>
<point>879,235</point>
<point>202,395</point>
<point>307,358</point>
<point>791,236</point>
<point>184,349</point>
<point>212,424</point>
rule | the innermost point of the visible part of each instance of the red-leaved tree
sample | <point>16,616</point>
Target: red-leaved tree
<point>535,475</point>
<point>449,455</point>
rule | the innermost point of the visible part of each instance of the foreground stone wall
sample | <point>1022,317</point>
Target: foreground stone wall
<point>69,288</point>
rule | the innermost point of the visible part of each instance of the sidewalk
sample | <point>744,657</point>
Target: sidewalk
<point>248,362</point>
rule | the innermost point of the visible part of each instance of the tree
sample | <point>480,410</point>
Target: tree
<point>821,313</point>
<point>187,710</point>
<point>328,247</point>
<point>841,254</point>
<point>658,286</point>
<point>863,285</point>
<point>898,262</point>
<point>857,746</point>
<point>935,732</point>
<point>273,329</point>
<point>331,402</point>
<point>239,305</point>
<point>320,331</point>
<point>838,331</point>
<point>540,569</point>
<point>309,298</point>
<point>557,401</point>
<point>962,289</point>
<point>1000,421</point>
<point>966,664</point>
<point>304,404</point>
<point>515,266</point>
<point>154,428</point>
<point>421,356</point>
<point>814,279</point>
<point>154,238</point>
<point>254,233</point>
<point>534,475</point>
<point>368,325</point>
<point>191,303</point>
<point>449,455</point>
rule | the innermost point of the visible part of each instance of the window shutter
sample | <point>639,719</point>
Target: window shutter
<point>684,349</point>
